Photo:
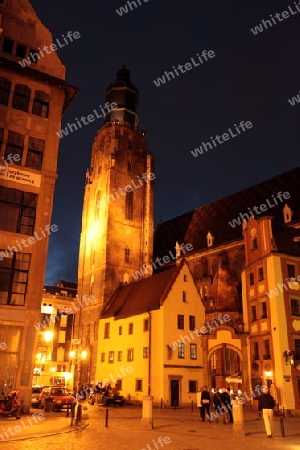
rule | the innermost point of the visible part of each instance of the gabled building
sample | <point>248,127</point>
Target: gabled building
<point>245,262</point>
<point>148,342</point>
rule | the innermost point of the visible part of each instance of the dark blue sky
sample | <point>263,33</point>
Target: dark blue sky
<point>251,78</point>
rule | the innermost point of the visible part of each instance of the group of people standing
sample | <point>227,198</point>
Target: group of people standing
<point>220,402</point>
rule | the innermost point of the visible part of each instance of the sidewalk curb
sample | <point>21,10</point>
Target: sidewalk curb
<point>81,427</point>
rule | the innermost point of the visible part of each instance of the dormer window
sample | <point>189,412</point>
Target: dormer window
<point>287,214</point>
<point>210,239</point>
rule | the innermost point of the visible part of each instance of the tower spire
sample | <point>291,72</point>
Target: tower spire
<point>124,93</point>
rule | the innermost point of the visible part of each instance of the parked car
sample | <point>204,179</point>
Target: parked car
<point>35,396</point>
<point>113,399</point>
<point>61,397</point>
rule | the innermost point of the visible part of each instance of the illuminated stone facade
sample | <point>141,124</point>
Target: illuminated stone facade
<point>32,101</point>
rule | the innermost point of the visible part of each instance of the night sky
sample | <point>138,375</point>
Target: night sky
<point>250,78</point>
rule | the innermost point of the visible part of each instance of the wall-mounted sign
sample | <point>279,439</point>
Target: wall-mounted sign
<point>20,176</point>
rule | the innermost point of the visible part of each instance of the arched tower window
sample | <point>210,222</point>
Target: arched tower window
<point>129,206</point>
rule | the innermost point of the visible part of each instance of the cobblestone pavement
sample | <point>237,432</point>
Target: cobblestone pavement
<point>183,428</point>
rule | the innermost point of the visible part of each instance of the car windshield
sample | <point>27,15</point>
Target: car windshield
<point>58,392</point>
<point>36,391</point>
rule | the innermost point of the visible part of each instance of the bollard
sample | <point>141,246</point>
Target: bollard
<point>282,427</point>
<point>79,413</point>
<point>161,403</point>
<point>68,411</point>
<point>192,406</point>
<point>106,417</point>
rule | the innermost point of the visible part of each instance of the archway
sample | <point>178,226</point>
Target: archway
<point>224,363</point>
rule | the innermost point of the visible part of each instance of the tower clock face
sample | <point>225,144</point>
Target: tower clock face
<point>253,232</point>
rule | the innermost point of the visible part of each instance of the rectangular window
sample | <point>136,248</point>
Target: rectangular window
<point>193,351</point>
<point>14,146</point>
<point>297,349</point>
<point>120,331</point>
<point>106,330</point>
<point>130,328</point>
<point>14,270</point>
<point>185,278</point>
<point>260,273</point>
<point>5,86</point>
<point>21,51</point>
<point>8,45</point>
<point>295,307</point>
<point>180,350</point>
<point>184,297</point>
<point>255,351</point>
<point>180,322</point>
<point>40,105</point>
<point>20,211</point>
<point>21,97</point>
<point>130,354</point>
<point>192,323</point>
<point>35,153</point>
<point>119,385</point>
<point>102,357</point>
<point>192,386</point>
<point>145,352</point>
<point>291,270</point>
<point>169,352</point>
<point>146,324</point>
<point>254,244</point>
<point>111,357</point>
<point>267,351</point>
<point>251,279</point>
<point>138,385</point>
<point>253,313</point>
<point>119,355</point>
<point>264,310</point>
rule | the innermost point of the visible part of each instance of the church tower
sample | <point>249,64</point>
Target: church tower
<point>117,221</point>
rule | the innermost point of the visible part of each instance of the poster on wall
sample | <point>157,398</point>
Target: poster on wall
<point>20,176</point>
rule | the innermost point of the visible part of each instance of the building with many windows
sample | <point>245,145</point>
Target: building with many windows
<point>148,342</point>
<point>245,262</point>
<point>33,99</point>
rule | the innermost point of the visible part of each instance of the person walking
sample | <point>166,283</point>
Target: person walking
<point>226,402</point>
<point>205,402</point>
<point>199,404</point>
<point>266,404</point>
<point>217,402</point>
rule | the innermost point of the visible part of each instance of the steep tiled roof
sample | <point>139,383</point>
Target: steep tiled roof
<point>141,296</point>
<point>193,226</point>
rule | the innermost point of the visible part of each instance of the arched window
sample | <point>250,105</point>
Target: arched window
<point>4,91</point>
<point>129,206</point>
<point>40,104</point>
<point>21,97</point>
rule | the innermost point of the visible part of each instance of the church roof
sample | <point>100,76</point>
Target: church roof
<point>214,217</point>
<point>141,296</point>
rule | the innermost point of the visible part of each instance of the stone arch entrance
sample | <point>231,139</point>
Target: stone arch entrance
<point>224,365</point>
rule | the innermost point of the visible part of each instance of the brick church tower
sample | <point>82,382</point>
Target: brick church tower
<point>117,221</point>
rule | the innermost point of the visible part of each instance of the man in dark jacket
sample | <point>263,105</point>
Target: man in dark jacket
<point>205,402</point>
<point>266,404</point>
<point>226,402</point>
